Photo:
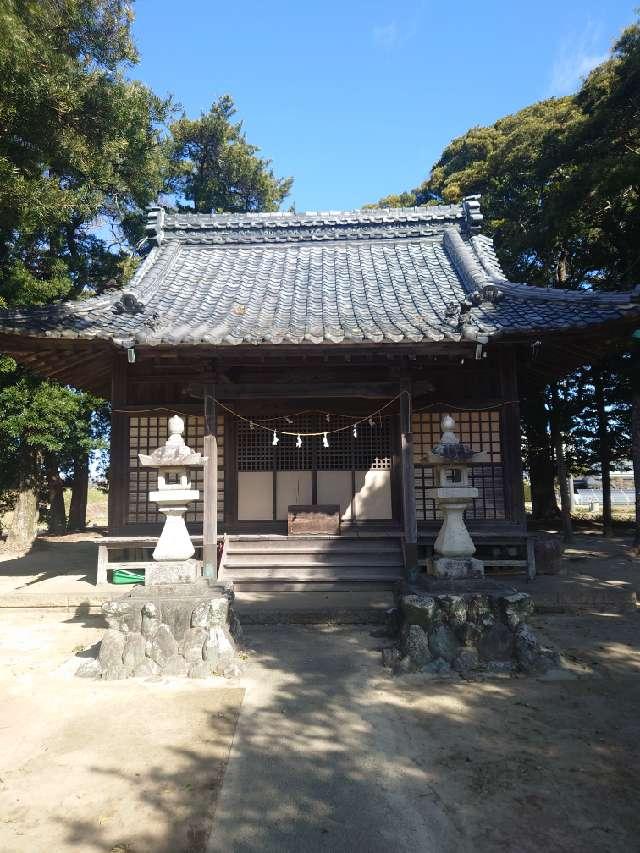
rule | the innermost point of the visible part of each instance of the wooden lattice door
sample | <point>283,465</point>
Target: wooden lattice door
<point>354,471</point>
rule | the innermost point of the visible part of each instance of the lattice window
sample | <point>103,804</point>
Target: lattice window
<point>371,448</point>
<point>254,448</point>
<point>478,430</point>
<point>146,432</point>
<point>287,457</point>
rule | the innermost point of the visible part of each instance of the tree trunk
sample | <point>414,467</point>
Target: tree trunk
<point>565,497</point>
<point>79,492</point>
<point>540,459</point>
<point>605,453</point>
<point>24,524</point>
<point>635,451</point>
<point>57,512</point>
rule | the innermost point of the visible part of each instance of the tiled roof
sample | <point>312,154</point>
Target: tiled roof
<point>381,276</point>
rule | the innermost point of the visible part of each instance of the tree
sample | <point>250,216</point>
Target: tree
<point>406,199</point>
<point>635,429</point>
<point>81,146</point>
<point>214,168</point>
<point>90,430</point>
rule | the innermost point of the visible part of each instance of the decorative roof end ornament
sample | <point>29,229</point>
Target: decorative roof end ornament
<point>155,223</point>
<point>492,293</point>
<point>128,304</point>
<point>472,215</point>
<point>471,332</point>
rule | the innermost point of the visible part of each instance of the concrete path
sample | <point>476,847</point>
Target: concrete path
<point>317,762</point>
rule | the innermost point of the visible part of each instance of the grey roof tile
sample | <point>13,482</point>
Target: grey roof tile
<point>408,274</point>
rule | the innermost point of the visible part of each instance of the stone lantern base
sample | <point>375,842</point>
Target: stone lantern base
<point>167,571</point>
<point>455,567</point>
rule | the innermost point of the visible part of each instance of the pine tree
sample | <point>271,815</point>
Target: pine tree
<point>81,144</point>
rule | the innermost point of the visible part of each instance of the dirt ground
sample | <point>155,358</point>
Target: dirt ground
<point>88,766</point>
<point>339,755</point>
<point>333,754</point>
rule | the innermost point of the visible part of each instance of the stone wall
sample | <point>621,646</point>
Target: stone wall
<point>469,632</point>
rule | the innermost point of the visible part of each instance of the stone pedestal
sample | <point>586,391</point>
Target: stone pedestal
<point>181,629</point>
<point>454,539</point>
<point>182,571</point>
<point>470,628</point>
<point>175,542</point>
<point>456,567</point>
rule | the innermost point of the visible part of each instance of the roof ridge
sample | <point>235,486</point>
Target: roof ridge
<point>326,214</point>
<point>480,271</point>
<point>251,226</point>
<point>534,292</point>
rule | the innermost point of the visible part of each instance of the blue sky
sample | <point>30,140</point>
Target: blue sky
<point>356,100</point>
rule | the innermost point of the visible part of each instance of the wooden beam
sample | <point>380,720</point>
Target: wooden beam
<point>408,482</point>
<point>210,519</point>
<point>307,390</point>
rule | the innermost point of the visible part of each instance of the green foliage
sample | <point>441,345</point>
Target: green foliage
<point>81,154</point>
<point>560,180</point>
<point>514,166</point>
<point>579,414</point>
<point>601,193</point>
<point>43,417</point>
<point>216,169</point>
<point>80,145</point>
<point>406,199</point>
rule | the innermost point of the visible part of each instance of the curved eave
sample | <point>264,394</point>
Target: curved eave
<point>81,362</point>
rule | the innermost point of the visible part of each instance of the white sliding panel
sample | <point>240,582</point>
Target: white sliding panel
<point>255,495</point>
<point>292,487</point>
<point>373,495</point>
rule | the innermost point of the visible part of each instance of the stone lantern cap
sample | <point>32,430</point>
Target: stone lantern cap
<point>174,453</point>
<point>451,450</point>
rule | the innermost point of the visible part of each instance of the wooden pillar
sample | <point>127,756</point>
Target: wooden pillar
<point>408,483</point>
<point>510,428</point>
<point>210,521</point>
<point>118,499</point>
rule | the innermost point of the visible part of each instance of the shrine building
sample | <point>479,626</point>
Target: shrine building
<point>312,357</point>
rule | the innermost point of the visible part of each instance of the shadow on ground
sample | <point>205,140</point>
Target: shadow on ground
<point>52,557</point>
<point>332,755</point>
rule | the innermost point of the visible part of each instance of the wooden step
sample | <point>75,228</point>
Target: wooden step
<point>279,585</point>
<point>297,546</point>
<point>304,573</point>
<point>313,559</point>
<point>261,562</point>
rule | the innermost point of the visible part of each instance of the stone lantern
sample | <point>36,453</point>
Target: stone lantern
<point>453,493</point>
<point>175,463</point>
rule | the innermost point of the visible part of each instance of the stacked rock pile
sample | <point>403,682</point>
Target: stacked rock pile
<point>470,632</point>
<point>179,634</point>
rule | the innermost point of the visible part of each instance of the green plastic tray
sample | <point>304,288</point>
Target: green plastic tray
<point>126,576</point>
